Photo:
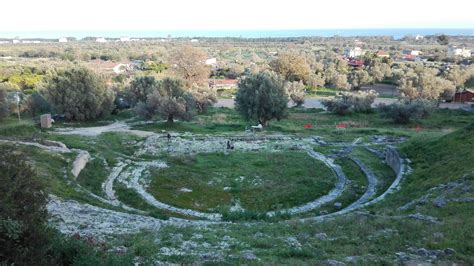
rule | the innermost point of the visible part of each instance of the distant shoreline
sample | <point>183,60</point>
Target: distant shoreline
<point>395,33</point>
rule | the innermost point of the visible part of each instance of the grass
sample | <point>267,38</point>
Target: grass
<point>441,153</point>
<point>259,181</point>
<point>385,175</point>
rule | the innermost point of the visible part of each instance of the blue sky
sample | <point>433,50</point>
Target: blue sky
<point>74,15</point>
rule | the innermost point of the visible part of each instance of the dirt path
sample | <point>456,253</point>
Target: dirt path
<point>95,131</point>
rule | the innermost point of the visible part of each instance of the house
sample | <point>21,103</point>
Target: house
<point>223,83</point>
<point>455,51</point>
<point>211,61</point>
<point>382,54</point>
<point>124,39</point>
<point>62,40</point>
<point>194,40</point>
<point>464,96</point>
<point>355,63</point>
<point>412,52</point>
<point>16,41</point>
<point>121,68</point>
<point>353,52</point>
<point>101,40</point>
<point>419,37</point>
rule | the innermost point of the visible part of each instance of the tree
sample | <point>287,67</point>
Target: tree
<point>169,100</point>
<point>23,233</point>
<point>140,88</point>
<point>359,78</point>
<point>262,97</point>
<point>190,66</point>
<point>295,90</point>
<point>405,112</point>
<point>380,71</point>
<point>4,110</point>
<point>316,80</point>
<point>347,102</point>
<point>292,67</point>
<point>204,97</point>
<point>425,85</point>
<point>442,39</point>
<point>79,94</point>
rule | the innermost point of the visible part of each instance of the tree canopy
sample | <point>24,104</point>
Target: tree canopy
<point>79,94</point>
<point>262,97</point>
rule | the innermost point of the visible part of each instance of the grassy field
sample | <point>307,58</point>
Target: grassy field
<point>258,181</point>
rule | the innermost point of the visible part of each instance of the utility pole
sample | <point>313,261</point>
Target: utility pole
<point>18,106</point>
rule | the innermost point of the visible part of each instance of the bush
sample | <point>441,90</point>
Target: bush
<point>347,102</point>
<point>24,237</point>
<point>3,104</point>
<point>79,94</point>
<point>404,113</point>
<point>37,104</point>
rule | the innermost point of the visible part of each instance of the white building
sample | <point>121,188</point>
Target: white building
<point>124,39</point>
<point>455,51</point>
<point>353,52</point>
<point>101,40</point>
<point>412,52</point>
<point>62,40</point>
<point>194,40</point>
<point>211,61</point>
<point>419,37</point>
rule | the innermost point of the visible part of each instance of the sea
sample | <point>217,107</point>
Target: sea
<point>395,33</point>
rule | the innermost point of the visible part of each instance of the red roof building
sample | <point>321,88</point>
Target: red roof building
<point>223,83</point>
<point>464,96</point>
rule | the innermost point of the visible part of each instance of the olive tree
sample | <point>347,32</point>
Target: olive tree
<point>139,89</point>
<point>204,97</point>
<point>262,97</point>
<point>425,85</point>
<point>292,67</point>
<point>295,90</point>
<point>169,100</point>
<point>359,78</point>
<point>79,94</point>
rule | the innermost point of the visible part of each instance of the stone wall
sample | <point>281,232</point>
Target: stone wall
<point>392,158</point>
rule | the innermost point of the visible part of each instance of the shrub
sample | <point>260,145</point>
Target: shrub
<point>37,104</point>
<point>4,111</point>
<point>404,113</point>
<point>347,102</point>
<point>24,237</point>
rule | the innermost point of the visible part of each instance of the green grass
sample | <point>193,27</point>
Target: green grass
<point>260,181</point>
<point>93,175</point>
<point>385,175</point>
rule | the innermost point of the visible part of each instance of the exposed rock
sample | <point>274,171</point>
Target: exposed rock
<point>118,250</point>
<point>248,255</point>
<point>81,160</point>
<point>293,242</point>
<point>439,202</point>
<point>334,263</point>
<point>321,236</point>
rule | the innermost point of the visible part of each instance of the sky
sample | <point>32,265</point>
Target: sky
<point>96,15</point>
